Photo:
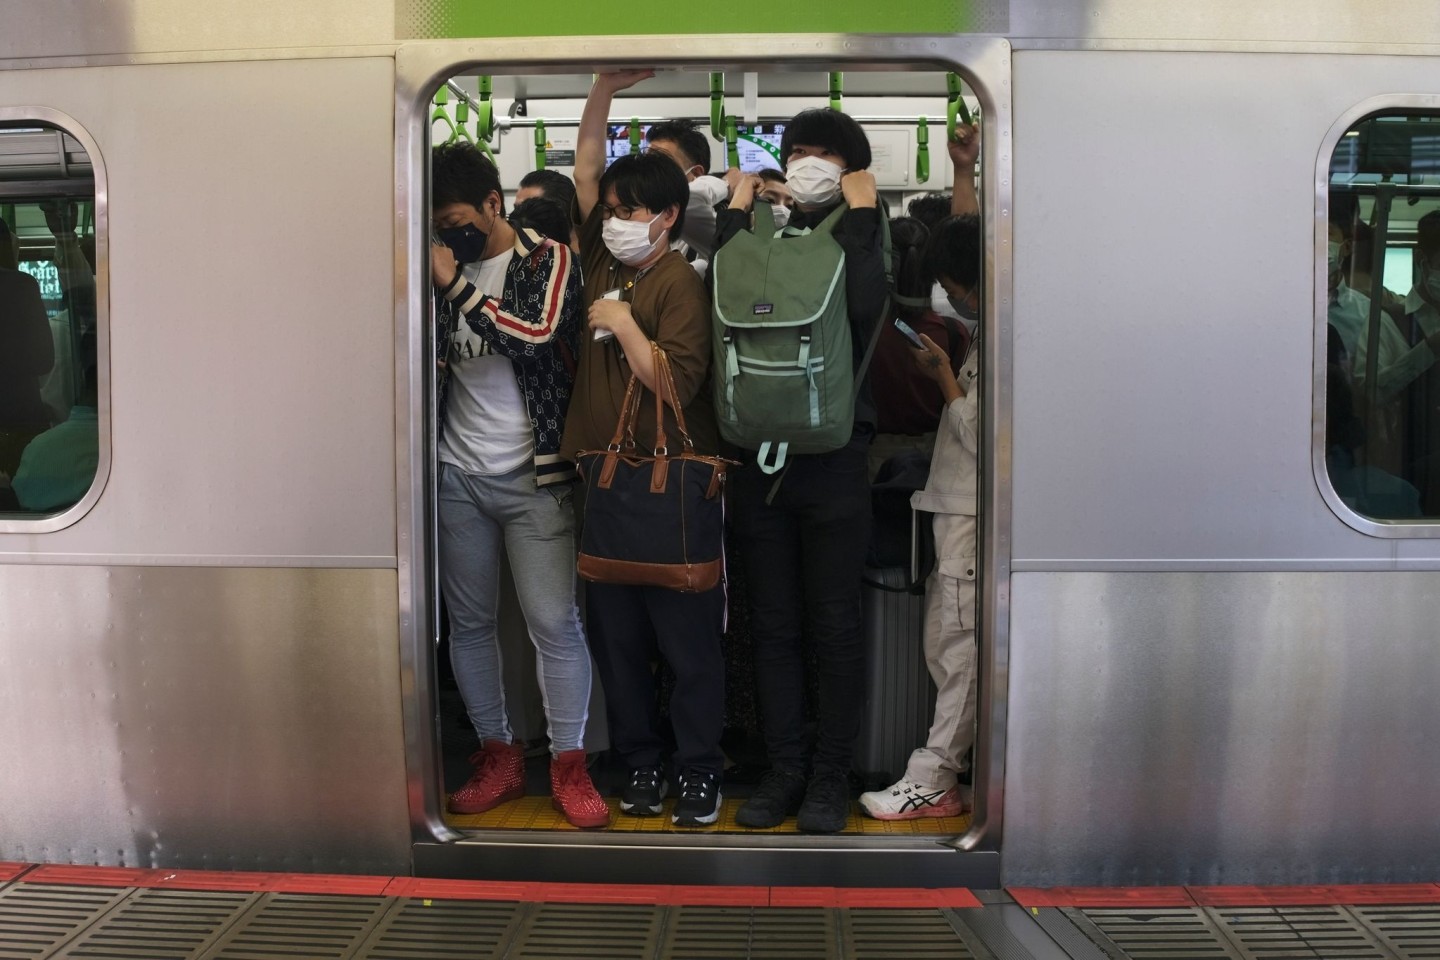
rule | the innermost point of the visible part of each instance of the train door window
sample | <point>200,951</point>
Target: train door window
<point>499,140</point>
<point>50,403</point>
<point>1381,271</point>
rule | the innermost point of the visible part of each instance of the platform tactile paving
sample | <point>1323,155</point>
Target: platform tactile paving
<point>1410,932</point>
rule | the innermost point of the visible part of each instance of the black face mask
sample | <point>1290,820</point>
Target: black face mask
<point>467,242</point>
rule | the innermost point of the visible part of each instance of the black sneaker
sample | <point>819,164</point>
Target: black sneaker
<point>642,795</point>
<point>777,797</point>
<point>699,803</point>
<point>827,804</point>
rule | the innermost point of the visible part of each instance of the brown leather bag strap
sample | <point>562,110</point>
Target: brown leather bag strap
<point>631,412</point>
<point>665,378</point>
<point>657,362</point>
<point>624,424</point>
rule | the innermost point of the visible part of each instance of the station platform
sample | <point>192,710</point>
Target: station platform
<point>135,914</point>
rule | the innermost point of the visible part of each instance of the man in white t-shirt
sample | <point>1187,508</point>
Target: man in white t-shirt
<point>510,316</point>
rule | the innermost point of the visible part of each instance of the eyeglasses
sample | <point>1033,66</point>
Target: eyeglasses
<point>621,212</point>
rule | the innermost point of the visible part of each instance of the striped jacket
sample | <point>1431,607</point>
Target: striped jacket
<point>536,324</point>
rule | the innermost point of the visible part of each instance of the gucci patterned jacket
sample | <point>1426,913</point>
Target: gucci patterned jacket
<point>535,324</point>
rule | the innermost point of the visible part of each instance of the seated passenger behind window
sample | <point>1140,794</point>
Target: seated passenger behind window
<point>640,290</point>
<point>821,510</point>
<point>1422,321</point>
<point>60,464</point>
<point>545,217</point>
<point>1368,490</point>
<point>27,353</point>
<point>930,786</point>
<point>1398,364</point>
<point>502,482</point>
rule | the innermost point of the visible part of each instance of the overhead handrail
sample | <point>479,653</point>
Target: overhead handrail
<point>441,115</point>
<point>541,142</point>
<point>717,106</point>
<point>955,107</point>
<point>922,150</point>
<point>485,111</point>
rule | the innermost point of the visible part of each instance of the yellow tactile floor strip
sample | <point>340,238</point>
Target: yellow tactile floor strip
<point>536,813</point>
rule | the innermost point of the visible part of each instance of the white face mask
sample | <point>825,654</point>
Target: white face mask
<point>782,214</point>
<point>629,240</point>
<point>813,182</point>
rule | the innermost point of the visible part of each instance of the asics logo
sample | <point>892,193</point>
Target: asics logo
<point>918,800</point>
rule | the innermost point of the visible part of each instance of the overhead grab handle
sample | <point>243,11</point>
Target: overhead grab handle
<point>955,108</point>
<point>717,106</point>
<point>485,111</point>
<point>540,144</point>
<point>922,150</point>
<point>837,93</point>
<point>462,117</point>
<point>441,115</point>
<point>634,134</point>
<point>732,138</point>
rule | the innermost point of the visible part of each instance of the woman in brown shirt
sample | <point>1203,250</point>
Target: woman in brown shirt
<point>639,291</point>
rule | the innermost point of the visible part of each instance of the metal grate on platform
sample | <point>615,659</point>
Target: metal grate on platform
<point>289,927</point>
<point>1266,932</point>
<point>159,925</point>
<point>442,930</point>
<point>35,920</point>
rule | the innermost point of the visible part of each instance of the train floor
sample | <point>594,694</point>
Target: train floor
<point>535,812</point>
<point>116,913</point>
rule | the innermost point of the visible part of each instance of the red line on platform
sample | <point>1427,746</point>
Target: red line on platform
<point>9,870</point>
<point>1326,896</point>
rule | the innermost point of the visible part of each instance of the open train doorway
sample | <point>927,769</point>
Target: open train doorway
<point>720,129</point>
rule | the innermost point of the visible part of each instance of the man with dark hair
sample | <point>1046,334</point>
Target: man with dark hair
<point>510,316</point>
<point>640,292</point>
<point>930,786</point>
<point>929,208</point>
<point>804,540</point>
<point>544,216</point>
<point>1420,324</point>
<point>685,144</point>
<point>550,184</point>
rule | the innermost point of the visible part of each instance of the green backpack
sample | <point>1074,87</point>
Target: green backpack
<point>785,381</point>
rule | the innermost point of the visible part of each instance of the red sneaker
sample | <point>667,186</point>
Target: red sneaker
<point>574,794</point>
<point>499,776</point>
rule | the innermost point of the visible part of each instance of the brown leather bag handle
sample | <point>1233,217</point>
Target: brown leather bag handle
<point>624,425</point>
<point>665,379</point>
<point>657,362</point>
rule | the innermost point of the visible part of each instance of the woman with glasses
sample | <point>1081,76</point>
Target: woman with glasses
<point>637,292</point>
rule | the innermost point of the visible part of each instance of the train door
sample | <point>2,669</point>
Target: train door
<point>525,118</point>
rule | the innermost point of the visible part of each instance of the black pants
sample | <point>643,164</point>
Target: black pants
<point>627,626</point>
<point>804,555</point>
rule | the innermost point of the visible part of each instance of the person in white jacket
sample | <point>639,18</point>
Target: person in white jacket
<point>930,786</point>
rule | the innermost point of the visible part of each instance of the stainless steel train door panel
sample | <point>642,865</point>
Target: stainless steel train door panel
<point>420,68</point>
<point>1180,711</point>
<point>201,670</point>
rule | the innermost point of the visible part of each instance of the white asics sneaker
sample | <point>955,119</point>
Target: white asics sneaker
<point>908,800</point>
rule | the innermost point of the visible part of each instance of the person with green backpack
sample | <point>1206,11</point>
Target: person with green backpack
<point>795,315</point>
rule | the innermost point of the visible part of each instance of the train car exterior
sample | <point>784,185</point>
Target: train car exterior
<point>1200,666</point>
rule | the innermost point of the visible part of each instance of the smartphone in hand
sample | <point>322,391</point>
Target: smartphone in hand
<point>909,333</point>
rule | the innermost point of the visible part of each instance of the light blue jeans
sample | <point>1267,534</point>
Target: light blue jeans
<point>480,516</point>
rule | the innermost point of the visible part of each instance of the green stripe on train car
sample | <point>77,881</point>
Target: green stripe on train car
<point>454,19</point>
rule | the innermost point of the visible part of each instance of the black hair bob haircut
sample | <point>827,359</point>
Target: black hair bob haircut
<point>908,239</point>
<point>649,180</point>
<point>460,173</point>
<point>543,215</point>
<point>831,129</point>
<point>553,185</point>
<point>687,136</point>
<point>953,252</point>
